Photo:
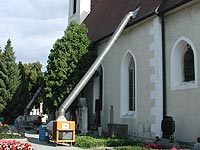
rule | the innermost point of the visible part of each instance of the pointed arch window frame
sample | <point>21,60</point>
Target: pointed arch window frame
<point>126,111</point>
<point>177,70</point>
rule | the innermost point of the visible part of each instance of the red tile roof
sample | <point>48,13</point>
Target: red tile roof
<point>107,14</point>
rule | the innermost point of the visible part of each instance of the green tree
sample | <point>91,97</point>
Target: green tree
<point>9,75</point>
<point>68,60</point>
<point>32,78</point>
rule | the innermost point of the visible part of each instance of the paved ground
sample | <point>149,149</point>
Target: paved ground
<point>33,138</point>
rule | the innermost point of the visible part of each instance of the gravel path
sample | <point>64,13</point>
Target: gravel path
<point>43,145</point>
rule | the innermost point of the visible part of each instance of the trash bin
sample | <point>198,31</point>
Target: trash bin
<point>42,133</point>
<point>168,126</point>
<point>16,124</point>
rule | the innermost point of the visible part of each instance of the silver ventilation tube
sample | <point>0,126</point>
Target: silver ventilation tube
<point>95,65</point>
<point>31,101</point>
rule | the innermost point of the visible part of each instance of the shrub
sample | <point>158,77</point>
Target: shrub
<point>4,129</point>
<point>89,142</point>
<point>113,142</point>
<point>9,136</point>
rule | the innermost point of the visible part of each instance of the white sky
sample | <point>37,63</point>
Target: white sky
<point>33,27</point>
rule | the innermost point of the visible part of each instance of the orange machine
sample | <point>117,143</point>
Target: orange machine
<point>63,131</point>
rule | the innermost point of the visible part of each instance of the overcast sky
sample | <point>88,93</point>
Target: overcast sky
<point>33,26</point>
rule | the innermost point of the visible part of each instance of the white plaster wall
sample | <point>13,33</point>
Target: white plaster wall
<point>183,104</point>
<point>137,40</point>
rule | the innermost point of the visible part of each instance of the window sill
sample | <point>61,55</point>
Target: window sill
<point>130,114</point>
<point>185,85</point>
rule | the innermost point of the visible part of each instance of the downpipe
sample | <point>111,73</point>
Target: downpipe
<point>95,65</point>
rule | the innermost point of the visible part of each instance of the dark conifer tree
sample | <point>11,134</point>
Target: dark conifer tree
<point>68,60</point>
<point>9,75</point>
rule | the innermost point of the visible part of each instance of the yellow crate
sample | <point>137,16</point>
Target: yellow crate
<point>63,131</point>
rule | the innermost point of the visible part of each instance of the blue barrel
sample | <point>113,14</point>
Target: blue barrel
<point>16,124</point>
<point>42,133</point>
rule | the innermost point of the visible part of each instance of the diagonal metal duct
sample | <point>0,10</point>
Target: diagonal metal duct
<point>95,65</point>
<point>31,101</point>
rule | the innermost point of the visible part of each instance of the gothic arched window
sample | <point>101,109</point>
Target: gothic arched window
<point>131,85</point>
<point>189,72</point>
<point>128,100</point>
<point>184,73</point>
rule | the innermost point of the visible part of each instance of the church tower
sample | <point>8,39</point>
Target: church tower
<point>79,9</point>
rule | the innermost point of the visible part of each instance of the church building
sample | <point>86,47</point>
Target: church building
<point>150,72</point>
